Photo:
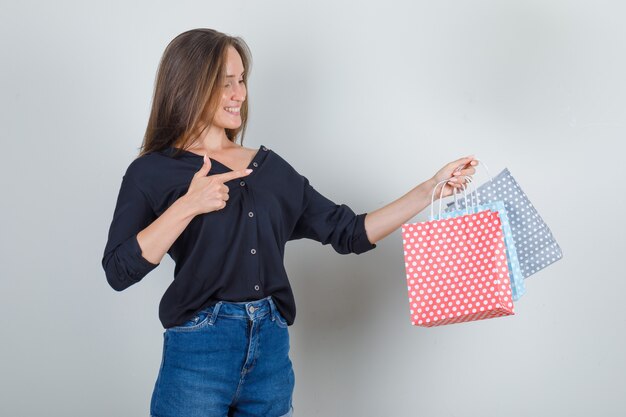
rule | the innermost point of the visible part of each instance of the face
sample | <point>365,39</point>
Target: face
<point>233,93</point>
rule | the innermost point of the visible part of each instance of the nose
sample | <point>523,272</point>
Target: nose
<point>239,93</point>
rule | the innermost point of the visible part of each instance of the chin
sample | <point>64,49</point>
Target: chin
<point>227,125</point>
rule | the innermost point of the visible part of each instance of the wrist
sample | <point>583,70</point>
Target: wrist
<point>428,187</point>
<point>422,193</point>
<point>186,207</point>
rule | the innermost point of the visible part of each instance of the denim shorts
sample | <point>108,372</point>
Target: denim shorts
<point>229,360</point>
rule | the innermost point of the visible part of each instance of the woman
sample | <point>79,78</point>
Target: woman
<point>224,213</point>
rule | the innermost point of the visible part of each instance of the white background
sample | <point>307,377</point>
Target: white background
<point>367,99</point>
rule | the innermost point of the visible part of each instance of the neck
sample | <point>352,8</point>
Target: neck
<point>212,140</point>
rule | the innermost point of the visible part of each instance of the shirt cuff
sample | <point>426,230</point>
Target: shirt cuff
<point>360,242</point>
<point>138,266</point>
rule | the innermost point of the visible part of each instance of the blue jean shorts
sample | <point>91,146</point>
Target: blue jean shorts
<point>229,360</point>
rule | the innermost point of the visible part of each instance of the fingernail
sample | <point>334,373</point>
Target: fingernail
<point>205,158</point>
<point>248,171</point>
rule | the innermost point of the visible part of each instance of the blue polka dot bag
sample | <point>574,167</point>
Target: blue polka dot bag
<point>535,244</point>
<point>515,272</point>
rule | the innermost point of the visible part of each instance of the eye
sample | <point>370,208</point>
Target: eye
<point>240,82</point>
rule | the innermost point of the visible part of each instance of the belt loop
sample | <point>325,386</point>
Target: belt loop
<point>216,310</point>
<point>272,308</point>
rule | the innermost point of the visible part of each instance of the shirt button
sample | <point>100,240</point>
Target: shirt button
<point>242,183</point>
<point>255,164</point>
<point>256,287</point>
<point>253,251</point>
<point>251,214</point>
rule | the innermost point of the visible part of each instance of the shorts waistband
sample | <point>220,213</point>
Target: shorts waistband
<point>249,310</point>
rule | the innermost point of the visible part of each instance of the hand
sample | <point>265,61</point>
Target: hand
<point>209,193</point>
<point>455,171</point>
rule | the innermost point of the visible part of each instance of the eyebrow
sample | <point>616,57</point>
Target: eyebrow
<point>229,76</point>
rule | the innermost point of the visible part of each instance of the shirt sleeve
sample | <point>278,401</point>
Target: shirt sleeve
<point>122,261</point>
<point>327,222</point>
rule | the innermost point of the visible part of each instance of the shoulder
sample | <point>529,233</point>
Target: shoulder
<point>142,165</point>
<point>285,174</point>
<point>149,168</point>
<point>280,162</point>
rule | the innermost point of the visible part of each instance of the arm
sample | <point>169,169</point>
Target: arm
<point>137,239</point>
<point>327,222</point>
<point>205,194</point>
<point>156,239</point>
<point>383,221</point>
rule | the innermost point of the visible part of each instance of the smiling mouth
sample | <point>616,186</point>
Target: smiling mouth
<point>233,110</point>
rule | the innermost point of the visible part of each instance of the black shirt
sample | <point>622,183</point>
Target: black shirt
<point>232,254</point>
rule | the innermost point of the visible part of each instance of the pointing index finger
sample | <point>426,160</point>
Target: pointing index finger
<point>233,174</point>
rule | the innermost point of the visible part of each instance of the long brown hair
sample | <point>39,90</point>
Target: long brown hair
<point>187,89</point>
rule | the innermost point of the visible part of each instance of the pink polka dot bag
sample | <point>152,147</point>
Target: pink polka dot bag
<point>456,269</point>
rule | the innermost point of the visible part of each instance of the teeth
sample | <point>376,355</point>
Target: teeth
<point>232,109</point>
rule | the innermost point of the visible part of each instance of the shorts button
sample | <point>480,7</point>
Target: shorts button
<point>251,309</point>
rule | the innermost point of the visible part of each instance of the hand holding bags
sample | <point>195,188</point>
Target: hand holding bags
<point>456,269</point>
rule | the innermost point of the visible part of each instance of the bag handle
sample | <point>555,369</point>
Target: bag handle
<point>432,196</point>
<point>471,207</point>
<point>472,196</point>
